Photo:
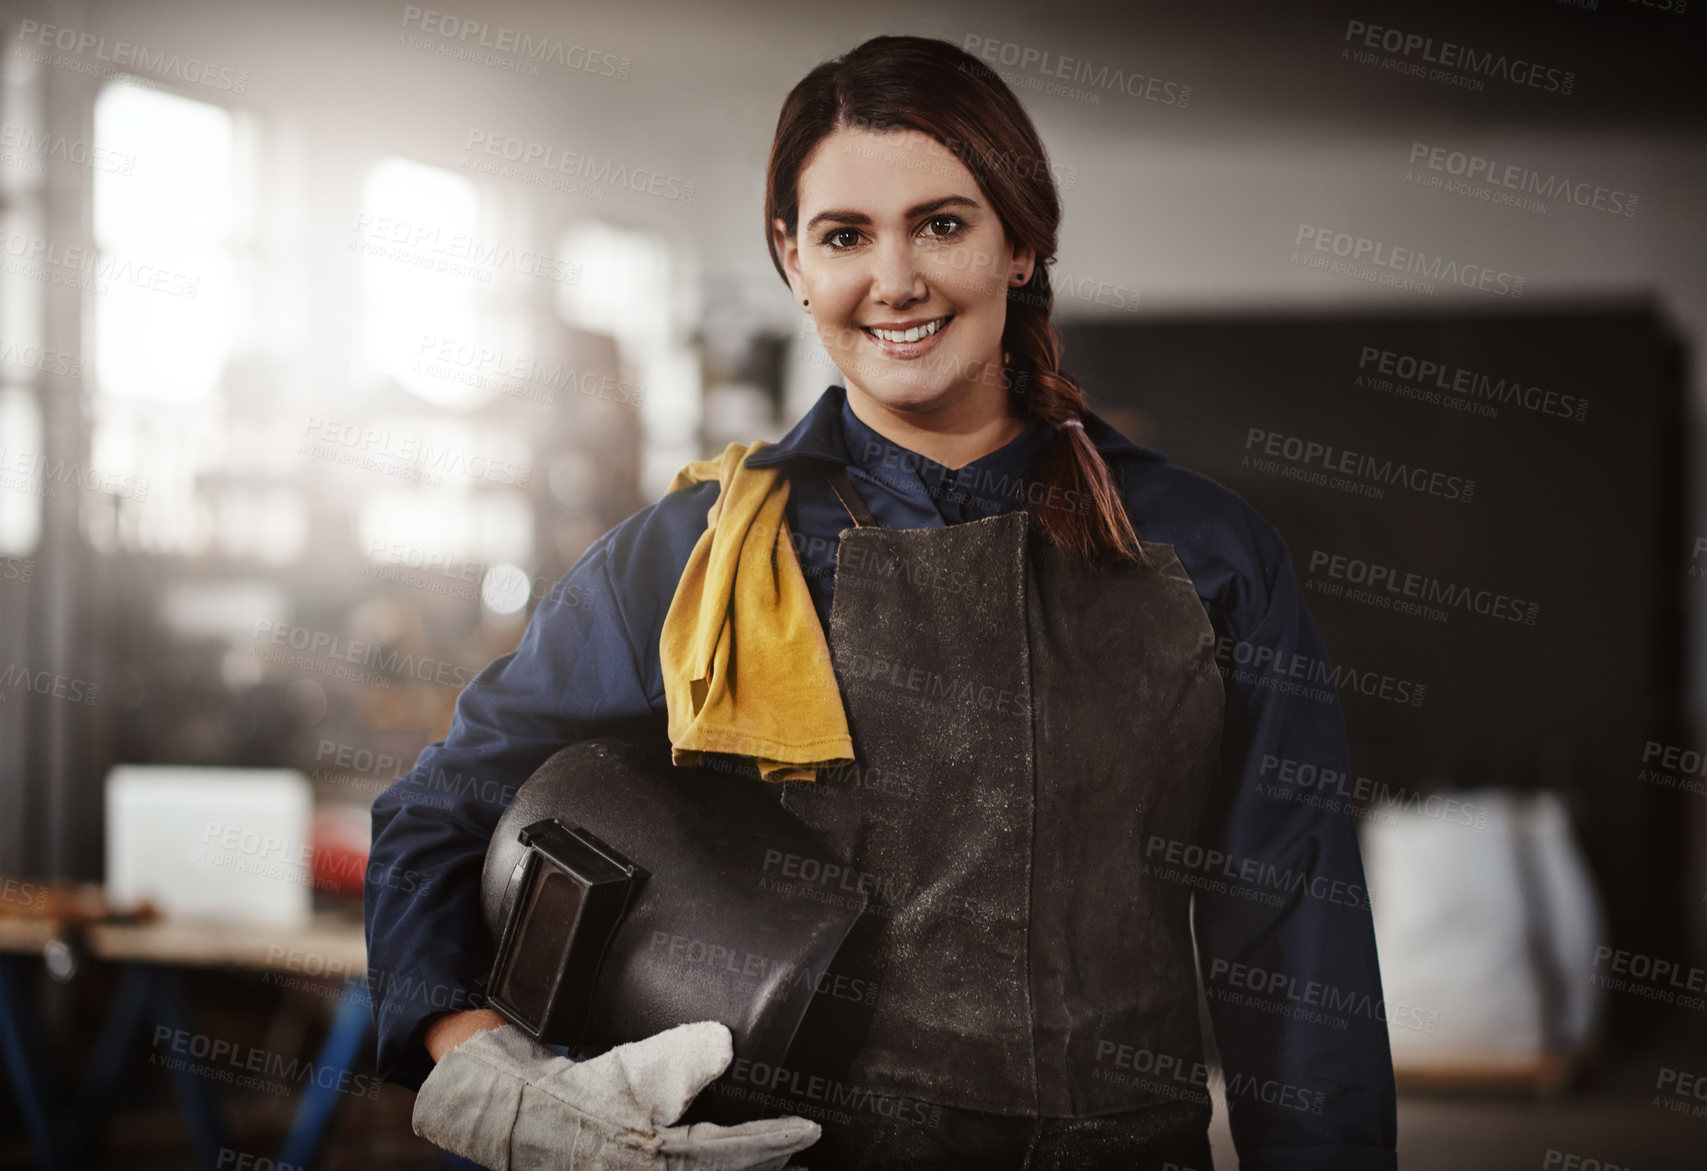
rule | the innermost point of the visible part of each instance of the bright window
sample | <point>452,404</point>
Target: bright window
<point>415,218</point>
<point>172,297</point>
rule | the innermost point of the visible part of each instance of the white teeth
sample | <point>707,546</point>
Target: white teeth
<point>910,335</point>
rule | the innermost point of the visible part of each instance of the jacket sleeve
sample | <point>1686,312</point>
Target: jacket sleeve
<point>1286,953</point>
<point>587,665</point>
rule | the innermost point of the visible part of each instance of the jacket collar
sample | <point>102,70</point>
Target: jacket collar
<point>821,435</point>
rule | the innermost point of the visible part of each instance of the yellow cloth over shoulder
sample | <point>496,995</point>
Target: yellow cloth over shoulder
<point>746,667</point>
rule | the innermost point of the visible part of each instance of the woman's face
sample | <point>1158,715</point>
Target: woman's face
<point>896,240</point>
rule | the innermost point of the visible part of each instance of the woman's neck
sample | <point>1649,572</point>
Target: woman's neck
<point>952,436</point>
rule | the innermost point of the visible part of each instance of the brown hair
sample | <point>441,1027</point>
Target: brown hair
<point>918,83</point>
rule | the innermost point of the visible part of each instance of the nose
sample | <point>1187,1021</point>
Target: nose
<point>896,279</point>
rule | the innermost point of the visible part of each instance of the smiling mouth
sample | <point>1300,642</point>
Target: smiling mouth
<point>916,334</point>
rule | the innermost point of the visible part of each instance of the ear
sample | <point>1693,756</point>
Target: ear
<point>1025,263</point>
<point>788,248</point>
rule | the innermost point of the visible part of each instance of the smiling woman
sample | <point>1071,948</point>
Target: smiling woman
<point>987,704</point>
<point>911,207</point>
<point>908,283</point>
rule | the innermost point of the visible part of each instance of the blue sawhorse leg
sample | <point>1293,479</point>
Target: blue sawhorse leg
<point>195,1098</point>
<point>350,1028</point>
<point>126,1017</point>
<point>145,993</point>
<point>22,1052</point>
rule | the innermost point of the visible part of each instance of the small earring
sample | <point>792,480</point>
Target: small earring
<point>806,302</point>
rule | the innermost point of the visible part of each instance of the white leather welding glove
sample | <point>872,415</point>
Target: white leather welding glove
<point>510,1104</point>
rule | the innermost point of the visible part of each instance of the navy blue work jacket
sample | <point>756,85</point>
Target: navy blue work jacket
<point>1286,946</point>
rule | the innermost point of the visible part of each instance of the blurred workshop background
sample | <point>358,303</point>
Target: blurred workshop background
<point>332,334</point>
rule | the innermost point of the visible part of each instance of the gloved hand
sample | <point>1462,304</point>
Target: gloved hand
<point>507,1102</point>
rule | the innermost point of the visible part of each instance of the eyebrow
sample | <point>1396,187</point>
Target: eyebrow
<point>919,209</point>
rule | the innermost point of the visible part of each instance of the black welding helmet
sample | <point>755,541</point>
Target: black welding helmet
<point>627,895</point>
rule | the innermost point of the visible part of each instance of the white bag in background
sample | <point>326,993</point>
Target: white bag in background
<point>1486,933</point>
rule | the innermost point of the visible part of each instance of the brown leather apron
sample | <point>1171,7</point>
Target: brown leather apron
<point>1022,726</point>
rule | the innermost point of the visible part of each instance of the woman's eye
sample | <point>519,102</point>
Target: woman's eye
<point>942,227</point>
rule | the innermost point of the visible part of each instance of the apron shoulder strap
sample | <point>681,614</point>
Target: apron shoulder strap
<point>843,486</point>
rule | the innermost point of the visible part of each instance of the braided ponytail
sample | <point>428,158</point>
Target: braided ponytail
<point>1093,522</point>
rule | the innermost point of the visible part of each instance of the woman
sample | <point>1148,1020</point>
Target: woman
<point>1081,817</point>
